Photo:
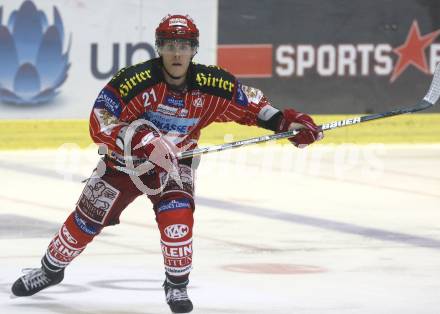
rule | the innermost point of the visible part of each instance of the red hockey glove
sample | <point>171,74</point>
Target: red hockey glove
<point>295,120</point>
<point>154,147</point>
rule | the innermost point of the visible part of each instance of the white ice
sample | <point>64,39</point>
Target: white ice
<point>365,219</point>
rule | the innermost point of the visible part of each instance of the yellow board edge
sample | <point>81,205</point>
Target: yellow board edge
<point>412,128</point>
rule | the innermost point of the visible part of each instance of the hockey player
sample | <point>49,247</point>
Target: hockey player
<point>177,98</point>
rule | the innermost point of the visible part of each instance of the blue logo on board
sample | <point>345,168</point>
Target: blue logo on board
<point>32,62</point>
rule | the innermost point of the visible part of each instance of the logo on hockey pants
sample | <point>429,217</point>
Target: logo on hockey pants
<point>97,199</point>
<point>176,231</point>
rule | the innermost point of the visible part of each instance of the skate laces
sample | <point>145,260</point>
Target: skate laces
<point>177,294</point>
<point>34,278</point>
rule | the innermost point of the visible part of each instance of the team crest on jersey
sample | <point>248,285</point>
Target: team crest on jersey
<point>198,102</point>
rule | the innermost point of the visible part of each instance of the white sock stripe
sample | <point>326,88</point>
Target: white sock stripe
<point>180,191</point>
<point>178,271</point>
<point>176,243</point>
<point>54,262</point>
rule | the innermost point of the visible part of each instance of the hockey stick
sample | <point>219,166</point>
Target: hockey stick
<point>428,101</point>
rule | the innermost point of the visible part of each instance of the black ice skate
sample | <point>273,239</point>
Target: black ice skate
<point>177,297</point>
<point>34,280</point>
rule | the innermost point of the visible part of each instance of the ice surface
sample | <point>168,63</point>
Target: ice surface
<point>326,230</point>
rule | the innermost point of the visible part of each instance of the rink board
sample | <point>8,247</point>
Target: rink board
<point>416,128</point>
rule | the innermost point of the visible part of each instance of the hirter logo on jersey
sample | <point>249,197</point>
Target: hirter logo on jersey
<point>33,65</point>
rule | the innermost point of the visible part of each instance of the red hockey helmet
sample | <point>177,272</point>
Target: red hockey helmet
<point>177,27</point>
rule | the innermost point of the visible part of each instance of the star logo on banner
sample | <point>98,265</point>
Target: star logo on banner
<point>413,51</point>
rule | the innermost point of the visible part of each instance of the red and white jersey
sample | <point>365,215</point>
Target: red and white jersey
<point>140,92</point>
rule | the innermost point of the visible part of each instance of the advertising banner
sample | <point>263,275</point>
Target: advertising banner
<point>56,55</point>
<point>337,56</point>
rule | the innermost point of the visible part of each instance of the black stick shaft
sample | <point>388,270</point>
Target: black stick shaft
<point>422,105</point>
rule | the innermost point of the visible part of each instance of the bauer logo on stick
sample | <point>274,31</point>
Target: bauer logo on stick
<point>337,124</point>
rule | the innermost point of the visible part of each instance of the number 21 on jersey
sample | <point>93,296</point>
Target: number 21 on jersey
<point>146,97</point>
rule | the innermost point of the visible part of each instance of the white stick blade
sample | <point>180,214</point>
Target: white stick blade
<point>434,90</point>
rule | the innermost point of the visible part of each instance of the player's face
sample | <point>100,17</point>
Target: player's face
<point>176,56</point>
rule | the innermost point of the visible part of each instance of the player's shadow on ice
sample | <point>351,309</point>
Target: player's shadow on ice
<point>63,309</point>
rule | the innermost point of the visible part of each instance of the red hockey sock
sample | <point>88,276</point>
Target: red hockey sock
<point>70,241</point>
<point>175,223</point>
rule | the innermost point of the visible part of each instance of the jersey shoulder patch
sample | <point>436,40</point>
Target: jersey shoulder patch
<point>132,80</point>
<point>213,80</point>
